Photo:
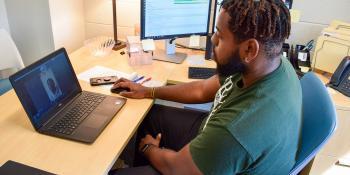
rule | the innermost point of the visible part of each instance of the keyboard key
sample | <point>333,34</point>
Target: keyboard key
<point>201,72</point>
<point>77,114</point>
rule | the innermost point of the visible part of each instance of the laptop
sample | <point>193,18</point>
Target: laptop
<point>55,103</point>
<point>12,167</point>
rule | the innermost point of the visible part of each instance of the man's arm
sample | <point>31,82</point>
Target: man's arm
<point>214,151</point>
<point>170,162</point>
<point>193,92</point>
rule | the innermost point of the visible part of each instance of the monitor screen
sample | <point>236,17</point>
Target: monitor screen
<point>44,86</point>
<point>166,19</point>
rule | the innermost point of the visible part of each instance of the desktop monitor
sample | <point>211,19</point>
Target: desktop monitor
<point>216,13</point>
<point>171,19</point>
<point>209,47</point>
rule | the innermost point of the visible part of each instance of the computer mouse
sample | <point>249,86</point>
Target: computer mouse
<point>118,90</point>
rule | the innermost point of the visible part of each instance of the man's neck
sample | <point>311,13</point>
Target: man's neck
<point>258,71</point>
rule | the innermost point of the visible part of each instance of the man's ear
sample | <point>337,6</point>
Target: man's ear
<point>249,50</point>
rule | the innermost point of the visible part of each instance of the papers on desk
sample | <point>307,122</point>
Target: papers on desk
<point>100,71</point>
<point>153,83</point>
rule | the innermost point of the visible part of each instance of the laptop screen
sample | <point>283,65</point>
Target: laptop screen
<point>44,86</point>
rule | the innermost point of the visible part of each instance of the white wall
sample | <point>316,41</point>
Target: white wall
<point>99,17</point>
<point>68,27</point>
<point>315,16</point>
<point>3,16</point>
<point>31,30</point>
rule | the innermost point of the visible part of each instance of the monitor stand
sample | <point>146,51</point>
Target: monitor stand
<point>169,54</point>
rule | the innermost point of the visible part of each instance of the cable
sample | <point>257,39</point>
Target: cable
<point>185,47</point>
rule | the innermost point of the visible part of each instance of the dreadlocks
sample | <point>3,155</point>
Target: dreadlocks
<point>268,21</point>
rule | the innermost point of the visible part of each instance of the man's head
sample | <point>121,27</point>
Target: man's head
<point>52,85</point>
<point>249,31</point>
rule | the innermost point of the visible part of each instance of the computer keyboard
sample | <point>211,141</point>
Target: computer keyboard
<point>78,113</point>
<point>200,72</point>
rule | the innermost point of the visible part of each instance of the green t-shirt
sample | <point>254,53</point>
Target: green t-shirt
<point>254,130</point>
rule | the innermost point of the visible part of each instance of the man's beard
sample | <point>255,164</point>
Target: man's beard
<point>233,66</point>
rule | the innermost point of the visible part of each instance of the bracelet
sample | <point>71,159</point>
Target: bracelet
<point>153,92</point>
<point>145,148</point>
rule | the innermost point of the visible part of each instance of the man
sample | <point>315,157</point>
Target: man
<point>253,127</point>
<point>55,92</point>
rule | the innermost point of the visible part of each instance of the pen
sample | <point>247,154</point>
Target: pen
<point>144,81</point>
<point>138,79</point>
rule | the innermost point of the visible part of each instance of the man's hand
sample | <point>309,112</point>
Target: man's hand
<point>150,140</point>
<point>136,90</point>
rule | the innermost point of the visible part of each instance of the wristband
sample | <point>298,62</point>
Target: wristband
<point>153,92</point>
<point>145,148</point>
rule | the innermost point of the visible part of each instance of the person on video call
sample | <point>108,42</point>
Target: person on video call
<point>54,90</point>
<point>254,124</point>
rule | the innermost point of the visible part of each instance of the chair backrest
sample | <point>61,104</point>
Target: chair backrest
<point>319,120</point>
<point>10,57</point>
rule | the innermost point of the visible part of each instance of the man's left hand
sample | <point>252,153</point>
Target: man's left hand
<point>150,140</point>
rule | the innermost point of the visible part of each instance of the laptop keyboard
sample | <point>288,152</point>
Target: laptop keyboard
<point>68,123</point>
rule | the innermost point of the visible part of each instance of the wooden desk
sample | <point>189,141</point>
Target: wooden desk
<point>179,73</point>
<point>339,145</point>
<point>20,142</point>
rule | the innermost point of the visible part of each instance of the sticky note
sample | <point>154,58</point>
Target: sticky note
<point>148,45</point>
<point>304,69</point>
<point>295,15</point>
<point>194,41</point>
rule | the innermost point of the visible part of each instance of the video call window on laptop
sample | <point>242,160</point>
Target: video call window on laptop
<point>44,87</point>
<point>55,103</point>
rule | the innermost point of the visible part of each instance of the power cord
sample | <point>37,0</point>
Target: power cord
<point>186,47</point>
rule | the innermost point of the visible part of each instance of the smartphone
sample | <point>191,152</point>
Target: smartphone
<point>96,81</point>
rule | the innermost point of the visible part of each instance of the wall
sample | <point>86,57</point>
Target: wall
<point>31,29</point>
<point>3,16</point>
<point>68,27</point>
<point>99,17</point>
<point>315,16</point>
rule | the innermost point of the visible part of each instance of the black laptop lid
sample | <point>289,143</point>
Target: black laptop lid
<point>45,86</point>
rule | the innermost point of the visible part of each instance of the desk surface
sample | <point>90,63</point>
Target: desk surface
<point>180,72</point>
<point>341,101</point>
<point>20,142</point>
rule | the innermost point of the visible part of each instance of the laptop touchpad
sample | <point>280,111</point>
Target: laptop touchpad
<point>95,121</point>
